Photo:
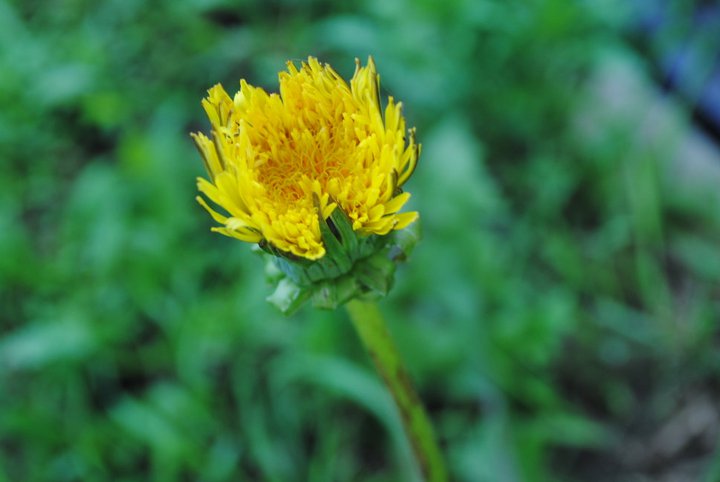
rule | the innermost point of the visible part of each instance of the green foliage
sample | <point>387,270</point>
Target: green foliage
<point>563,300</point>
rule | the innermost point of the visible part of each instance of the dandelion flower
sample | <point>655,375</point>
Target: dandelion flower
<point>281,165</point>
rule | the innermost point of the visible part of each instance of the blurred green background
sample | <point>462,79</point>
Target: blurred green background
<point>560,317</point>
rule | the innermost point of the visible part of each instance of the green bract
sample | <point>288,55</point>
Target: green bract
<point>354,266</point>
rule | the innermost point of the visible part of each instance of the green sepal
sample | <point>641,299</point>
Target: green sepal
<point>288,296</point>
<point>333,293</point>
<point>335,250</point>
<point>298,276</point>
<point>376,273</point>
<point>404,242</point>
<point>343,229</point>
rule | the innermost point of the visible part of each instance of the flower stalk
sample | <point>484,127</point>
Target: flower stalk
<point>373,333</point>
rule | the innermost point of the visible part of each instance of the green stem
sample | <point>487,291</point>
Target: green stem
<point>373,332</point>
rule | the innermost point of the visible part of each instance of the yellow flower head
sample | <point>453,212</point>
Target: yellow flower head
<point>277,162</point>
